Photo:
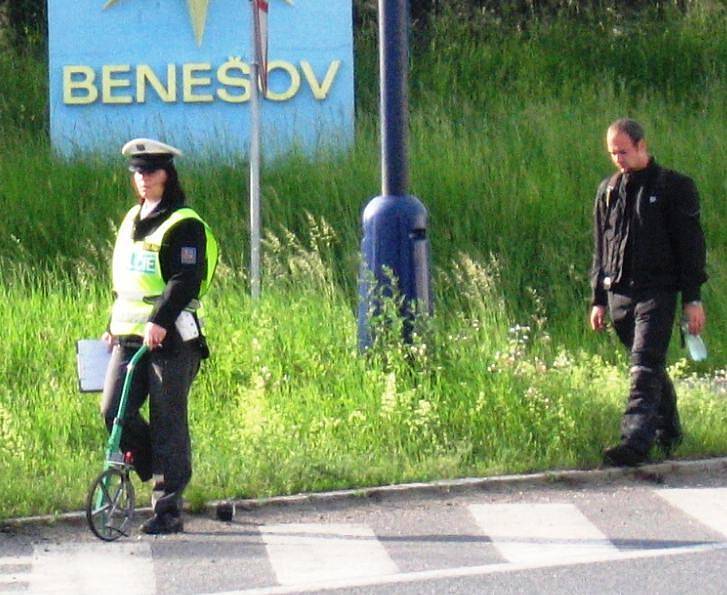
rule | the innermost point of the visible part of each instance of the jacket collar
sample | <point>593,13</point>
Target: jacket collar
<point>143,227</point>
<point>643,175</point>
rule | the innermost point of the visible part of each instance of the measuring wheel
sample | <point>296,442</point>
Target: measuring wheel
<point>110,504</point>
<point>110,500</point>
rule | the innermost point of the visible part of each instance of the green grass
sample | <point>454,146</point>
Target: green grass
<point>506,152</point>
<point>287,404</point>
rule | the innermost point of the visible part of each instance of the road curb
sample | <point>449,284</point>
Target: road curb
<point>655,472</point>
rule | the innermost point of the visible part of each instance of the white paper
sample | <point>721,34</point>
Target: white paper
<point>187,326</point>
<point>92,358</point>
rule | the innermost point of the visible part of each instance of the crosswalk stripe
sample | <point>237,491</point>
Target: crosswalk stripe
<point>707,505</point>
<point>14,561</point>
<point>14,579</point>
<point>93,568</point>
<point>14,571</point>
<point>303,552</point>
<point>533,532</point>
<point>475,571</point>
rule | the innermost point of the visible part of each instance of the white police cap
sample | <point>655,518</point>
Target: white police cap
<point>146,154</point>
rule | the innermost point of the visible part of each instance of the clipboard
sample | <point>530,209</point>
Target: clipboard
<point>92,359</point>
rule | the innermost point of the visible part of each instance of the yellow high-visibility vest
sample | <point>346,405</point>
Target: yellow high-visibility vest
<point>137,274</point>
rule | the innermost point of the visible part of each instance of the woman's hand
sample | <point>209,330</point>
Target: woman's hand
<point>109,339</point>
<point>154,335</point>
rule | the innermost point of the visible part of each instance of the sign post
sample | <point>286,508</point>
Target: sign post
<point>255,76</point>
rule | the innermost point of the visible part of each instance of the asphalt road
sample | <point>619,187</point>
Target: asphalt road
<point>657,530</point>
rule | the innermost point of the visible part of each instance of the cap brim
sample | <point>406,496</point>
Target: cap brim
<point>143,168</point>
<point>148,163</point>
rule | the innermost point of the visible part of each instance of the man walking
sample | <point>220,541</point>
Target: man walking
<point>648,248</point>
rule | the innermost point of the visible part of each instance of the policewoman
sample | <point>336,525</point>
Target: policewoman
<point>163,263</point>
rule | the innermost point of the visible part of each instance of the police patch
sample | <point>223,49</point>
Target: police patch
<point>188,255</point>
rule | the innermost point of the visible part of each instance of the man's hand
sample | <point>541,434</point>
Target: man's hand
<point>694,313</point>
<point>154,335</point>
<point>598,318</point>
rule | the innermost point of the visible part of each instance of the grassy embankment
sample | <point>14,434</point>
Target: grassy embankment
<point>506,150</point>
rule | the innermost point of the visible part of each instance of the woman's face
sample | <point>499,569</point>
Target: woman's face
<point>150,184</point>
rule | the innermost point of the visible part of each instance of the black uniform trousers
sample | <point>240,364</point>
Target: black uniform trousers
<point>643,321</point>
<point>160,447</point>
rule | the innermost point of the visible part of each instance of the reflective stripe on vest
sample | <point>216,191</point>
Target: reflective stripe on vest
<point>137,275</point>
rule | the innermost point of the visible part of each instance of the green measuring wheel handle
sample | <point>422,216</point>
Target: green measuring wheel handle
<point>112,448</point>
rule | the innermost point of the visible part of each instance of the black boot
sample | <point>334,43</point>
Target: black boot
<point>669,429</point>
<point>163,524</point>
<point>623,455</point>
<point>639,422</point>
<point>668,442</point>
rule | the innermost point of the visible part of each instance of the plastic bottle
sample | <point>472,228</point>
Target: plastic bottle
<point>695,346</point>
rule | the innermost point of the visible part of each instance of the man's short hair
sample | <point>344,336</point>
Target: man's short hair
<point>632,128</point>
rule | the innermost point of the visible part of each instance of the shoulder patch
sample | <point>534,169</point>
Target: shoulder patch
<point>188,255</point>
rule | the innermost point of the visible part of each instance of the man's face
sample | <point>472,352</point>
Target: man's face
<point>625,153</point>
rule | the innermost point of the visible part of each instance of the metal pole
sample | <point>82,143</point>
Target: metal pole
<point>393,62</point>
<point>254,167</point>
<point>394,224</point>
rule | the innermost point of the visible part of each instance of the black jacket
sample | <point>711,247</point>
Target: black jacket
<point>647,234</point>
<point>183,277</point>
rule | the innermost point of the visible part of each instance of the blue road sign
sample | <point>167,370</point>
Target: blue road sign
<point>180,71</point>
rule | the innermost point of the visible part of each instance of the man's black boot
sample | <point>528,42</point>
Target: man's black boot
<point>623,455</point>
<point>163,524</point>
<point>668,442</point>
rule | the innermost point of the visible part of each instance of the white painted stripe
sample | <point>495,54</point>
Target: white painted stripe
<point>532,532</point>
<point>707,505</point>
<point>14,570</point>
<point>15,561</point>
<point>14,578</point>
<point>302,552</point>
<point>469,571</point>
<point>92,568</point>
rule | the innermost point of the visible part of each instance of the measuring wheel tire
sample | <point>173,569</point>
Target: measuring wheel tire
<point>110,505</point>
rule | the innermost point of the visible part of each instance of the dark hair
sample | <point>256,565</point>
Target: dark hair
<point>632,128</point>
<point>173,192</point>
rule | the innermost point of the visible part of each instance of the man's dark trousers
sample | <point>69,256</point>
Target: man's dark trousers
<point>643,321</point>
